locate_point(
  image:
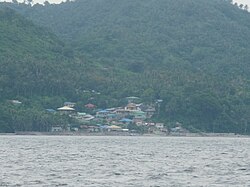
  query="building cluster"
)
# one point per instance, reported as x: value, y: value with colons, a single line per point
x: 128, y: 119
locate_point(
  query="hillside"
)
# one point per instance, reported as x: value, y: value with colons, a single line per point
x: 40, y: 71
x: 193, y: 54
x: 150, y: 32
x: 31, y: 63
x: 31, y: 58
x: 35, y: 69
x: 35, y: 62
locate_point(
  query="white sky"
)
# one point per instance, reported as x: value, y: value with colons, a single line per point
x: 38, y: 1
x: 51, y: 1
x: 244, y: 2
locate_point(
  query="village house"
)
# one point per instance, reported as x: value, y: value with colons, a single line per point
x: 94, y: 129
x: 126, y: 121
x: 66, y: 110
x: 102, y: 114
x: 122, y: 112
x: 56, y: 129
x: 150, y: 112
x: 178, y: 130
x: 157, y: 128
x: 114, y: 128
x: 69, y: 104
x: 132, y: 106
x: 83, y: 117
x: 159, y: 125
x: 139, y: 123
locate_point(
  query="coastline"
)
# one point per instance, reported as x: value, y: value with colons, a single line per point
x: 32, y: 133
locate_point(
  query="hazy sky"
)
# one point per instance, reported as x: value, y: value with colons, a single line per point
x: 38, y: 1
x: 51, y: 1
x: 58, y: 1
x: 244, y: 2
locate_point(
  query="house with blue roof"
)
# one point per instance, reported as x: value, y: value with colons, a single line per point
x: 102, y: 114
x: 126, y: 121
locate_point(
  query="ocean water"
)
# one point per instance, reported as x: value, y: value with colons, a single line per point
x: 124, y: 161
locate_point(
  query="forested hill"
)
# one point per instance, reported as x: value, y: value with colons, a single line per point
x: 39, y: 70
x: 31, y: 61
x: 193, y: 54
x: 35, y: 62
x: 150, y: 33
x: 31, y: 58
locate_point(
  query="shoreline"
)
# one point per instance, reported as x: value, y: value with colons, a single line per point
x: 223, y: 135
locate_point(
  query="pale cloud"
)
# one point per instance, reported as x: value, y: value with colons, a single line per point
x: 51, y: 1
x: 244, y: 2
x: 38, y: 1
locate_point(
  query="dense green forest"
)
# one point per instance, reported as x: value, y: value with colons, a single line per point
x: 32, y: 65
x: 194, y: 55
